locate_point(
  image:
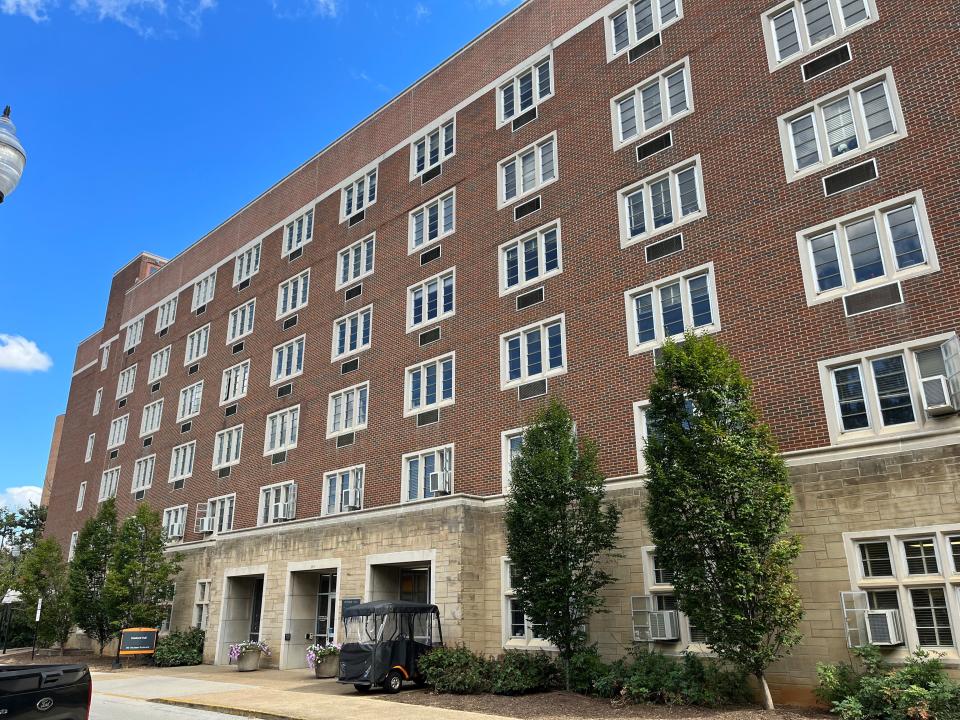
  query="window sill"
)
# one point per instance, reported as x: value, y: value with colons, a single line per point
x: 652, y: 345
x: 815, y: 298
x: 430, y: 323
x: 349, y: 354
x: 628, y: 241
x: 512, y: 384
x: 503, y: 204
x: 411, y: 412
x: 924, y: 427
x: 504, y: 122
x: 619, y: 145
x: 834, y: 163
x: 347, y: 431
x: 814, y: 49
x: 614, y: 54
x: 275, y: 451
x: 342, y: 286
x: 414, y: 249
x: 529, y: 645
x: 528, y: 284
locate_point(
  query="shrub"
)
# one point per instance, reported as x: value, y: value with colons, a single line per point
x: 518, y: 672
x: 180, y: 648
x: 587, y: 670
x: 456, y: 670
x: 654, y: 678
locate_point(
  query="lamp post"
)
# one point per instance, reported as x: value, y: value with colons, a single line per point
x: 12, y: 156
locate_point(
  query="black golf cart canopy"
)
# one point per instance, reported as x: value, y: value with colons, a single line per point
x: 386, y: 607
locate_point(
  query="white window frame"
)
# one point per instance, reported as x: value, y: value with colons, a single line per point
x: 506, y: 462
x: 74, y: 536
x: 439, y: 452
x: 159, y: 365
x: 243, y: 317
x: 201, y: 604
x: 529, y: 641
x: 347, y: 252
x: 126, y: 381
x: 97, y: 401
x: 634, y: 39
x: 807, y: 48
x: 197, y: 345
x: 182, y: 463
x: 352, y: 183
x: 109, y: 481
x: 105, y: 357
x: 635, y: 347
x: 437, y: 200
x: 88, y: 452
x: 276, y: 378
x: 247, y: 263
x: 672, y: 172
x: 532, y: 65
x: 230, y: 503
x: 354, y: 416
x: 195, y: 393
x: 289, y: 444
x: 118, y: 431
x: 166, y: 314
x: 653, y: 589
x: 204, y: 290
x: 440, y: 127
x: 298, y: 232
x: 361, y: 346
x: 667, y: 119
x: 232, y: 455
x: 143, y: 471
x: 640, y: 430
x: 304, y: 278
x: 133, y: 335
x: 539, y: 182
x: 151, y: 410
x: 81, y: 495
x: 505, y: 382
x: 865, y: 145
x: 173, y: 516
x: 878, y: 213
x: 354, y: 483
x: 441, y: 314
x: 288, y: 490
x: 228, y: 381
x: 543, y: 273
x: 408, y: 409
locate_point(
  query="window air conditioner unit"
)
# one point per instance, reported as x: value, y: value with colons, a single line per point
x: 440, y: 483
x: 175, y: 531
x: 936, y: 396
x: 884, y: 627
x: 206, y: 524
x: 664, y: 625
x: 351, y: 499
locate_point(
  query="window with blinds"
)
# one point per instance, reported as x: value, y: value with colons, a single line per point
x: 126, y: 381
x: 662, y: 202
x: 634, y: 22
x: 143, y: 473
x: 797, y: 28
x: 528, y: 170
x: 526, y: 90
x: 118, y: 432
x: 432, y: 221
x: 652, y: 104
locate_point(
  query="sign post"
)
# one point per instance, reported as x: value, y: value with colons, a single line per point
x: 36, y: 628
x: 136, y: 641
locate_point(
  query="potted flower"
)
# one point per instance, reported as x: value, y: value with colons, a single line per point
x: 324, y: 659
x: 247, y: 654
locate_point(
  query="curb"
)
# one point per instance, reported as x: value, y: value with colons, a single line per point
x: 224, y: 709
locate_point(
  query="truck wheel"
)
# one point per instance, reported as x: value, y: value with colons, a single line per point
x: 394, y: 682
x: 362, y: 689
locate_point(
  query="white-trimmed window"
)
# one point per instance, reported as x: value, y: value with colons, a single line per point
x: 435, y: 146
x: 432, y: 221
x: 293, y: 294
x: 118, y: 432
x: 518, y: 632
x: 97, y: 401
x: 429, y: 385
x: 181, y: 461
x: 892, y: 390
x: 105, y: 357
x: 431, y: 300
x: 661, y: 202
x: 126, y: 381
x: 636, y: 21
x: 797, y: 28
x: 167, y: 314
x: 288, y: 360
x: 226, y: 447
x: 81, y: 495
x: 281, y: 431
x: 198, y: 342
x: 240, y: 321
x: 351, y: 333
x: 108, y: 484
x: 528, y: 171
x: 671, y: 307
x: 277, y: 503
x: 525, y: 90
x: 343, y: 490
x: 150, y: 420
x: 356, y: 261
x: 159, y: 365
x: 143, y: 473
x: 190, y: 399
x: 175, y: 522
x: 533, y: 352
x: 203, y: 290
x: 641, y: 431
x: 510, y: 444
x: 347, y: 410
x: 297, y: 233
x: 233, y: 385
x: 655, y: 615
x: 427, y: 473
x: 201, y: 604
x: 74, y: 536
x: 133, y: 335
x: 358, y: 194
x: 654, y: 103
x: 888, y: 241
x: 531, y: 258
x: 849, y: 122
x: 220, y: 509
x: 247, y: 264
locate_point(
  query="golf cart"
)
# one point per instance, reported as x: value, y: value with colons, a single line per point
x: 382, y: 642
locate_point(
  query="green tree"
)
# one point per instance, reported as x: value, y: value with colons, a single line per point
x: 719, y: 505
x: 88, y: 575
x: 139, y: 581
x: 42, y: 574
x: 559, y: 530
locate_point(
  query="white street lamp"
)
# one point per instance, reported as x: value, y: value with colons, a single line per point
x: 12, y: 156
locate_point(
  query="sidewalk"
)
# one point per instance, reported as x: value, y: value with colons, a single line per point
x: 271, y: 694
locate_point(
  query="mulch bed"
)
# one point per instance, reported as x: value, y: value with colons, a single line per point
x: 558, y: 705
x: 93, y: 661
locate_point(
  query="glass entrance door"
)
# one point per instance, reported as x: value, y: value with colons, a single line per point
x: 415, y: 584
x: 256, y: 609
x: 326, y: 609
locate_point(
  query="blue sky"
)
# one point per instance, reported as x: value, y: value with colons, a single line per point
x: 148, y: 122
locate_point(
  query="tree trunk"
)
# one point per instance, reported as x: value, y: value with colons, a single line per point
x: 765, y: 689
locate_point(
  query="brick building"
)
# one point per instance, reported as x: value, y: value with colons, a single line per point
x: 322, y: 394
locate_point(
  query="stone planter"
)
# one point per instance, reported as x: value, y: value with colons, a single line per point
x: 327, y: 667
x: 249, y: 661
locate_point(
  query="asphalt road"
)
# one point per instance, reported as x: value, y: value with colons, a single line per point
x: 111, y: 707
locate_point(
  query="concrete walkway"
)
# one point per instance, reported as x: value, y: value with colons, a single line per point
x: 271, y: 694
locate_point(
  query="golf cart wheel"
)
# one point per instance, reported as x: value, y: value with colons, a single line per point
x: 394, y: 682
x: 363, y: 689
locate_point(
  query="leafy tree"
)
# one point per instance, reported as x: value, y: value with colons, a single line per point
x: 139, y: 581
x: 42, y: 574
x: 719, y: 505
x: 559, y: 530
x: 88, y: 575
x: 21, y: 529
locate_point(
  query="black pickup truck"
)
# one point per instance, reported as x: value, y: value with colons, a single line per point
x: 45, y: 692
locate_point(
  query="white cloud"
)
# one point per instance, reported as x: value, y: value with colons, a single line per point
x: 292, y: 9
x: 18, y: 497
x: 146, y: 17
x: 22, y: 355
x: 36, y: 10
x: 421, y: 11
